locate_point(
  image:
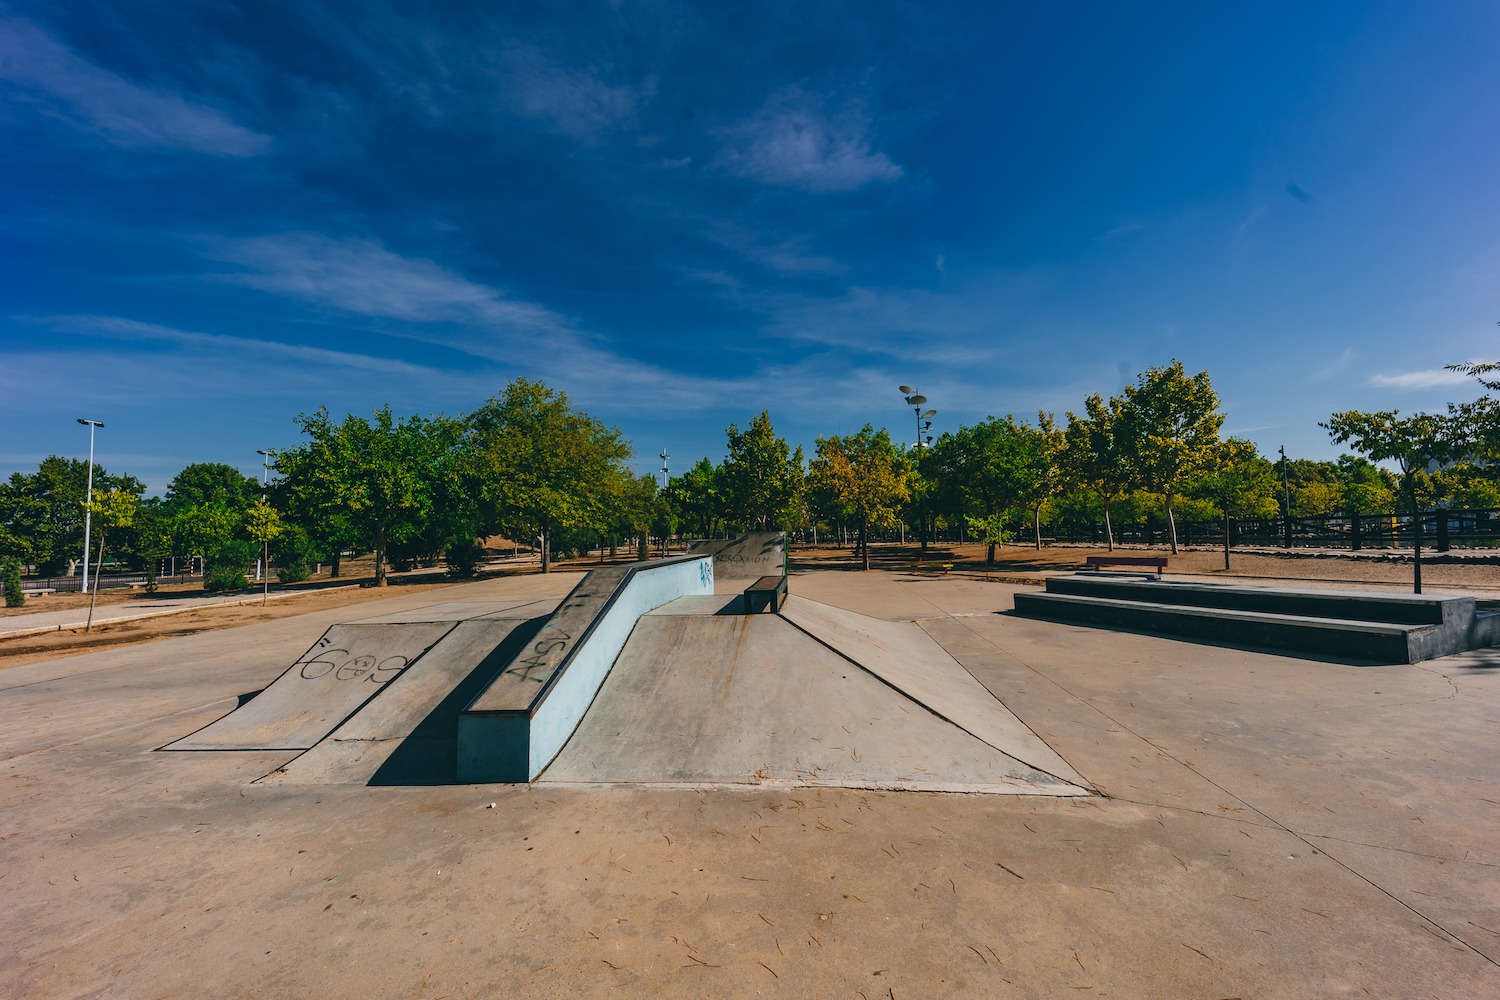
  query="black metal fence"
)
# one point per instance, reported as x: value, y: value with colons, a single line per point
x: 110, y: 581
x: 1441, y: 530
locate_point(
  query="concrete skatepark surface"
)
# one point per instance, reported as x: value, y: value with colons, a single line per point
x: 1268, y: 825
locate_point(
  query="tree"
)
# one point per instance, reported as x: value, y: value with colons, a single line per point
x: 761, y: 478
x: 987, y: 470
x: 263, y: 523
x: 1169, y: 428
x: 211, y: 482
x: 42, y: 515
x: 381, y: 477
x: 696, y: 496
x: 111, y: 509
x: 867, y: 475
x: 532, y: 457
x: 1042, y: 476
x: 1238, y: 482
x: 1094, y: 456
x: 1412, y: 443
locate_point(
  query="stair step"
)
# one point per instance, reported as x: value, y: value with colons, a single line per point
x: 1389, y: 642
x: 1404, y: 609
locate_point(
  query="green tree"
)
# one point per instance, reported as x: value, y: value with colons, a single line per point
x: 111, y: 509
x: 1238, y: 482
x: 1043, y: 473
x: 1169, y: 429
x: 380, y: 478
x: 1411, y: 442
x: 209, y: 483
x: 1095, y: 458
x: 263, y: 523
x: 534, y: 458
x: 868, y: 476
x: 986, y: 471
x: 697, y: 497
x: 42, y: 513
x: 761, y: 480
x: 10, y: 570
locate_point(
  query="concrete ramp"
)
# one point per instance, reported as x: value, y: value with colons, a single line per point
x: 520, y: 721
x: 910, y: 660
x: 408, y: 736
x: 701, y: 698
x: 346, y: 668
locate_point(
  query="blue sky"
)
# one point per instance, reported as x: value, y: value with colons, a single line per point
x: 217, y: 215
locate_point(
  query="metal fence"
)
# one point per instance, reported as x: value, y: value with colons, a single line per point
x: 1441, y: 530
x: 73, y: 584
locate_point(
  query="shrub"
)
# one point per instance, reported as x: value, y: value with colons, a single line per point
x: 10, y: 569
x: 225, y: 569
x: 224, y: 579
x: 295, y: 573
x: 463, y: 557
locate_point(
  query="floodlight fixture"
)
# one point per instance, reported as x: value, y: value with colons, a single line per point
x: 906, y: 390
x: 929, y: 414
x: 917, y: 400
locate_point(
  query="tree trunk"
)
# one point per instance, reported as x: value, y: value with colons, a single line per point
x: 1036, y: 526
x: 864, y: 539
x: 380, y: 556
x: 1109, y: 531
x: 642, y: 548
x: 1226, y: 541
x: 338, y: 560
x: 991, y: 557
x: 1171, y: 523
x: 544, y: 549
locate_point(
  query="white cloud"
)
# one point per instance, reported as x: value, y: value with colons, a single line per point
x: 1431, y: 378
x: 96, y: 100
x: 791, y: 142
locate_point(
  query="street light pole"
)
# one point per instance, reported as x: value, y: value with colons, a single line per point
x: 917, y: 401
x: 88, y: 503
x: 664, y: 457
x: 265, y: 547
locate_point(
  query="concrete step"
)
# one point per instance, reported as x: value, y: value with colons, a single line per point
x: 1343, y: 605
x: 1386, y: 642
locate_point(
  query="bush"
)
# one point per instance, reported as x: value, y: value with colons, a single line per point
x: 295, y: 573
x: 224, y: 579
x: 10, y: 569
x: 463, y: 557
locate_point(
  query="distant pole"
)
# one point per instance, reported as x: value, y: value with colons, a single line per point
x: 88, y: 502
x: 916, y: 401
x: 265, y: 555
x: 666, y: 550
x: 1286, y: 491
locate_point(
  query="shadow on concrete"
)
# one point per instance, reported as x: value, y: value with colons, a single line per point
x: 429, y: 756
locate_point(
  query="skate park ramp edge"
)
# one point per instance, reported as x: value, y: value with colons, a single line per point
x: 521, y: 720
x: 345, y: 669
x: 703, y: 699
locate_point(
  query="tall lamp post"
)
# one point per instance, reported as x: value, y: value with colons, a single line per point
x: 88, y: 502
x: 265, y: 554
x: 664, y: 456
x: 924, y: 424
x: 1286, y: 492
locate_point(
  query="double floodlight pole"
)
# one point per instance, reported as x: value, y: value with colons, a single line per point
x: 88, y: 503
x: 916, y: 401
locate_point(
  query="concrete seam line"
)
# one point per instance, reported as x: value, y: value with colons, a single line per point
x: 20, y: 633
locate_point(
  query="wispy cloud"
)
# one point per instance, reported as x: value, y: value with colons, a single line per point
x: 577, y: 103
x: 1338, y: 366
x: 792, y: 142
x: 1428, y: 379
x: 57, y: 81
x: 361, y: 276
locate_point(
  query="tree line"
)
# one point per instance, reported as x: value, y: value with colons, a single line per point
x: 530, y: 464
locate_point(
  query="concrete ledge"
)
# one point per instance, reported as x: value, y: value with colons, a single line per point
x: 1384, y: 642
x: 514, y: 728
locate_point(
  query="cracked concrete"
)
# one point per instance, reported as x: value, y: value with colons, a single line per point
x: 1269, y: 826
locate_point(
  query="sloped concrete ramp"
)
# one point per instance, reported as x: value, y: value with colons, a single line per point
x: 408, y: 736
x: 708, y: 699
x: 350, y: 665
x: 910, y: 660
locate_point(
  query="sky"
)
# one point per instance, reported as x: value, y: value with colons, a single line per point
x: 217, y: 215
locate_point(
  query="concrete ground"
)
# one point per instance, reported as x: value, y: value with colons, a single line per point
x: 1270, y: 826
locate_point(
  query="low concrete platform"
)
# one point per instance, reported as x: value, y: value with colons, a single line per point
x: 1267, y: 825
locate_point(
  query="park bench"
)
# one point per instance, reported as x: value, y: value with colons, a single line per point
x: 766, y: 595
x: 918, y: 567
x: 1160, y: 562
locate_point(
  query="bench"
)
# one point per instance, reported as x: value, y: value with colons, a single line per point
x: 765, y: 596
x: 1160, y: 562
x: 917, y: 567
